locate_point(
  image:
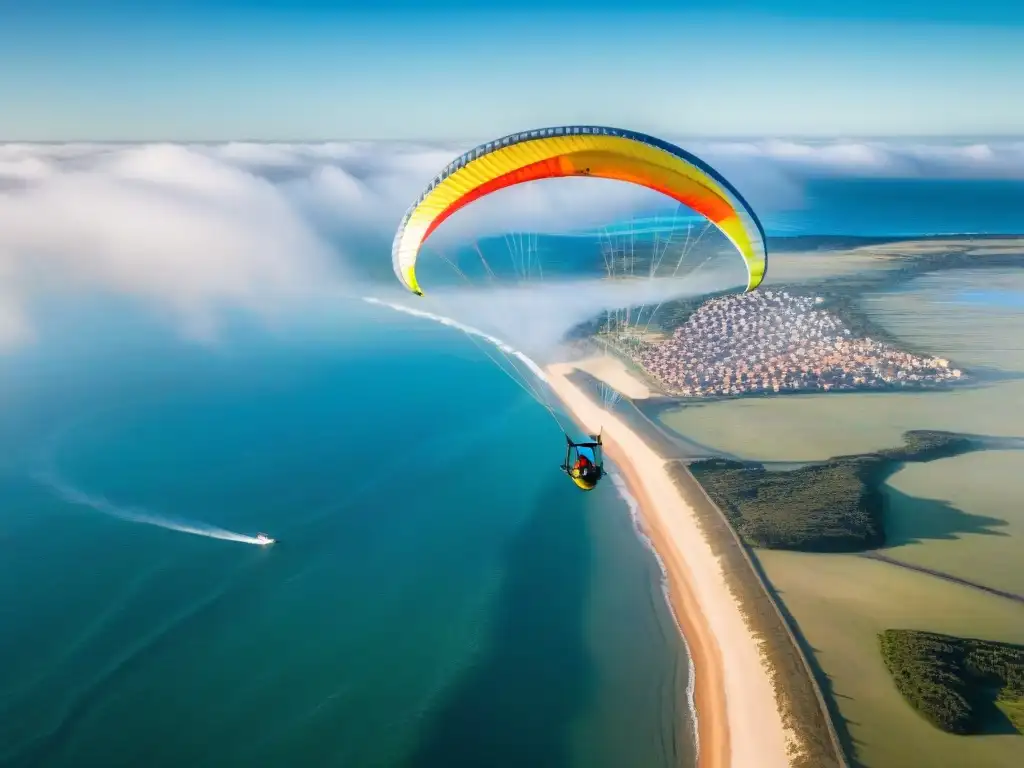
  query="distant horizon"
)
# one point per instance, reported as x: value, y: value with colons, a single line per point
x: 469, y: 139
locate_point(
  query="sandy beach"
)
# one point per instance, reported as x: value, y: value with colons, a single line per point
x: 739, y: 723
x: 612, y: 371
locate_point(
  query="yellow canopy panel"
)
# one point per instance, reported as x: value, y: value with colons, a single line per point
x: 609, y: 153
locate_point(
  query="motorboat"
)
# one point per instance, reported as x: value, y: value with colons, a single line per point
x: 263, y: 540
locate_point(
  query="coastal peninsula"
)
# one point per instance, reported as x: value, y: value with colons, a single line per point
x: 831, y: 506
x: 823, y: 556
x: 804, y: 332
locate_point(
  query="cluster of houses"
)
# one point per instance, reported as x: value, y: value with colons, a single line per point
x: 771, y: 341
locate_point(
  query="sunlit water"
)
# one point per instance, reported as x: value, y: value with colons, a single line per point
x: 438, y: 596
x: 436, y: 592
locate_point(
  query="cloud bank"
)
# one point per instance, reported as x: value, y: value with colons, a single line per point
x: 191, y: 230
x: 1003, y: 159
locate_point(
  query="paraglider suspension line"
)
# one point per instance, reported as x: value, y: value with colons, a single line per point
x: 523, y: 380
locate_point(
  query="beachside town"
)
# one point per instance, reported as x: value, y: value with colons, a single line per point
x: 771, y: 341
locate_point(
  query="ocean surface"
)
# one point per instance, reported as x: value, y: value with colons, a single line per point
x: 901, y: 208
x: 869, y: 207
x: 439, y: 594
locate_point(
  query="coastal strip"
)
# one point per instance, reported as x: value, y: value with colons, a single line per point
x: 739, y: 721
x: 801, y: 701
x: 706, y: 664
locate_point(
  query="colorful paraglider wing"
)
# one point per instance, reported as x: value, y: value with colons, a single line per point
x: 609, y: 153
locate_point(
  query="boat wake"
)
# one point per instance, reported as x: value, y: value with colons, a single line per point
x: 71, y: 495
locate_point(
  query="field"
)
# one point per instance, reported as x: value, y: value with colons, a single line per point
x: 960, y: 516
x: 963, y: 516
x: 841, y: 603
x: 815, y: 427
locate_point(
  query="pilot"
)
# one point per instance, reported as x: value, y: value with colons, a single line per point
x: 584, y: 468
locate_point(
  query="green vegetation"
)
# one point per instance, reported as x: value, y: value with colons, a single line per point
x: 819, y: 508
x: 833, y: 506
x: 929, y: 445
x: 954, y: 682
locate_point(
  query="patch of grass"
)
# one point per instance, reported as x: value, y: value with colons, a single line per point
x: 832, y: 506
x: 954, y: 682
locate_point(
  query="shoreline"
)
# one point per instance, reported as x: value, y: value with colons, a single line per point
x: 733, y: 693
x: 713, y: 734
x: 733, y: 681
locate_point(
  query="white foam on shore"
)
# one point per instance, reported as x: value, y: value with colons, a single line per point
x: 535, y: 369
x: 691, y: 680
x: 620, y: 486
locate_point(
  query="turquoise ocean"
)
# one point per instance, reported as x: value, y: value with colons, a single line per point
x: 439, y: 594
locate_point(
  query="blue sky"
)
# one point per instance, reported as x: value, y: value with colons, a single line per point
x: 276, y: 70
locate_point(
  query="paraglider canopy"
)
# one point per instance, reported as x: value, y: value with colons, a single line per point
x: 588, y: 151
x: 581, y: 150
x: 583, y: 462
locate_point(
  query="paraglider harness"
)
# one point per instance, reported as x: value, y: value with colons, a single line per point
x: 578, y: 466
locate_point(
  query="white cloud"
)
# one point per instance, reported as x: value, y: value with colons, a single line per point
x: 1002, y: 159
x: 190, y: 230
x: 534, y: 318
x: 15, y: 327
x: 182, y: 232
